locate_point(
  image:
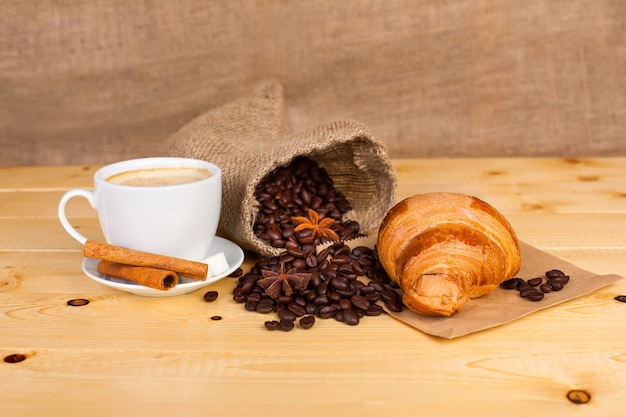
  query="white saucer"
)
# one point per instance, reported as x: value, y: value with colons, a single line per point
x: 234, y: 257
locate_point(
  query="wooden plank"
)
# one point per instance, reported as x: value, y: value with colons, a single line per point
x: 545, y: 196
x: 190, y: 356
x: 540, y: 379
x: 508, y: 170
x: 123, y: 354
x: 544, y: 230
x: 60, y: 271
x: 415, y: 171
x: 35, y: 290
x: 557, y: 197
x: 45, y: 234
x: 584, y: 187
x: 38, y: 204
x: 46, y: 178
x: 122, y: 322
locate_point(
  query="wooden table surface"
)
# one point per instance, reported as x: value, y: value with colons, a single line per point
x: 127, y: 355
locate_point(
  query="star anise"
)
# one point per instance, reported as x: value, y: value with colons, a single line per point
x: 319, y: 228
x: 275, y: 283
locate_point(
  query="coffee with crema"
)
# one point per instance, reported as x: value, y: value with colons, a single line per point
x: 156, y: 177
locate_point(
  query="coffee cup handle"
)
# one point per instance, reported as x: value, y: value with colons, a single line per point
x: 76, y: 192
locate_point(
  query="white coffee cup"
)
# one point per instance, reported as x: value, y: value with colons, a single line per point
x: 178, y: 220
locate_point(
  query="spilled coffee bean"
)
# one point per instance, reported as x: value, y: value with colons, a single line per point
x: 535, y: 296
x: 286, y: 325
x: 510, y: 284
x: 545, y: 288
x: 272, y: 325
x: 210, y: 296
x: 307, y: 322
x: 534, y: 289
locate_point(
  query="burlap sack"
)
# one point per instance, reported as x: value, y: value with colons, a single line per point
x: 248, y: 138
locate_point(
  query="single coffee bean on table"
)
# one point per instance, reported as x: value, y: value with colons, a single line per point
x: 307, y: 322
x: 210, y: 296
x: 272, y: 325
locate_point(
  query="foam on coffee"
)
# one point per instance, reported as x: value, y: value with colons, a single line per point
x: 156, y: 177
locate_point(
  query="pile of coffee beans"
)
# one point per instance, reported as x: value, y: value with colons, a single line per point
x: 292, y: 190
x: 534, y: 289
x: 333, y: 290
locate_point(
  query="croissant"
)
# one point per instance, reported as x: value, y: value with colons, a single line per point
x: 444, y: 248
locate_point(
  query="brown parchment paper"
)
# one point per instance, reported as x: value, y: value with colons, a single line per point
x: 504, y: 306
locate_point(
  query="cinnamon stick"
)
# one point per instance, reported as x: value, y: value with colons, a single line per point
x: 150, y: 277
x: 118, y: 254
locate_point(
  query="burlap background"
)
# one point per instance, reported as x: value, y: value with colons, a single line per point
x: 248, y: 138
x: 93, y: 81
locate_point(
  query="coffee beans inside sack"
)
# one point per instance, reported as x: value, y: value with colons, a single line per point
x: 299, y: 209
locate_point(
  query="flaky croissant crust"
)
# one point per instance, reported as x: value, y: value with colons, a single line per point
x: 445, y: 248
